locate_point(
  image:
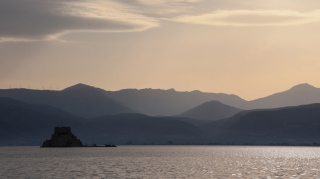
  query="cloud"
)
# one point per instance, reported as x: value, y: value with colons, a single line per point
x: 162, y: 7
x: 163, y: 2
x: 252, y: 18
x: 31, y: 20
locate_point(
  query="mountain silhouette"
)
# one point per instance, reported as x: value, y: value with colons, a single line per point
x: 78, y: 100
x: 87, y: 101
x: 297, y: 95
x: 26, y: 124
x: 82, y: 87
x: 22, y: 123
x: 140, y: 128
x: 211, y: 110
x: 297, y: 124
x: 168, y: 102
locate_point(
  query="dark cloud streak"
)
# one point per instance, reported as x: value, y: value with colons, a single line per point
x: 40, y: 19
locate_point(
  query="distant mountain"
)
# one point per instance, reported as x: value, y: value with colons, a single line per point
x: 297, y: 95
x: 211, y: 110
x: 87, y: 101
x: 299, y: 124
x: 8, y: 102
x: 139, y: 128
x: 25, y: 124
x: 155, y: 102
x: 168, y: 102
x: 41, y: 110
x: 80, y: 100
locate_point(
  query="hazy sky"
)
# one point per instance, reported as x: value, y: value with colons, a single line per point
x: 251, y: 48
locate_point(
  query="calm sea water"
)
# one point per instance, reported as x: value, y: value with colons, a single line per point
x: 160, y: 162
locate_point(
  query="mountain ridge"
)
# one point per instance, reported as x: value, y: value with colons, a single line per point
x: 84, y: 103
x: 27, y: 124
x: 89, y: 101
x: 297, y: 95
x: 294, y: 124
x: 211, y: 111
x: 167, y: 102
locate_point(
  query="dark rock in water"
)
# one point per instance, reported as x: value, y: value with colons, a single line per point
x: 110, y: 145
x: 62, y: 137
x: 95, y: 145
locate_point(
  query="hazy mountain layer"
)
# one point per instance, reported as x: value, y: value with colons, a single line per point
x: 297, y: 95
x: 22, y: 123
x: 81, y: 102
x: 168, y: 102
x: 87, y: 101
x: 299, y: 124
x: 211, y: 110
x: 26, y: 124
x: 139, y: 128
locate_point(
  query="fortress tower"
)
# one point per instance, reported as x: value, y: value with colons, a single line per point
x: 62, y: 137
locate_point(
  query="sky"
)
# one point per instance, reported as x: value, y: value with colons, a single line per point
x: 251, y: 48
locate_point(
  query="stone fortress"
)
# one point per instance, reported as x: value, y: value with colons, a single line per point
x: 62, y: 137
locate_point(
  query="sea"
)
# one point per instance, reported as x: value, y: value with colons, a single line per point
x: 222, y: 162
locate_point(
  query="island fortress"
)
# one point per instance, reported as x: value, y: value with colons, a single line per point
x: 62, y: 137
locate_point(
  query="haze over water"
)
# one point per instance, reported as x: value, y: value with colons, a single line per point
x: 160, y: 162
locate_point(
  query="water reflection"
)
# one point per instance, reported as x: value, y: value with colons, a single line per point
x: 161, y: 162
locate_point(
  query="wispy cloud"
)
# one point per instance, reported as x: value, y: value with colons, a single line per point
x: 162, y: 7
x: 252, y: 18
x: 164, y: 2
x: 34, y: 20
x: 31, y: 20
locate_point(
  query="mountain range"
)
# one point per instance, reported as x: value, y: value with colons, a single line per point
x: 30, y: 124
x: 27, y: 117
x: 171, y: 102
x: 295, y: 125
x: 26, y: 124
x: 83, y: 102
x: 87, y: 101
x: 168, y: 102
